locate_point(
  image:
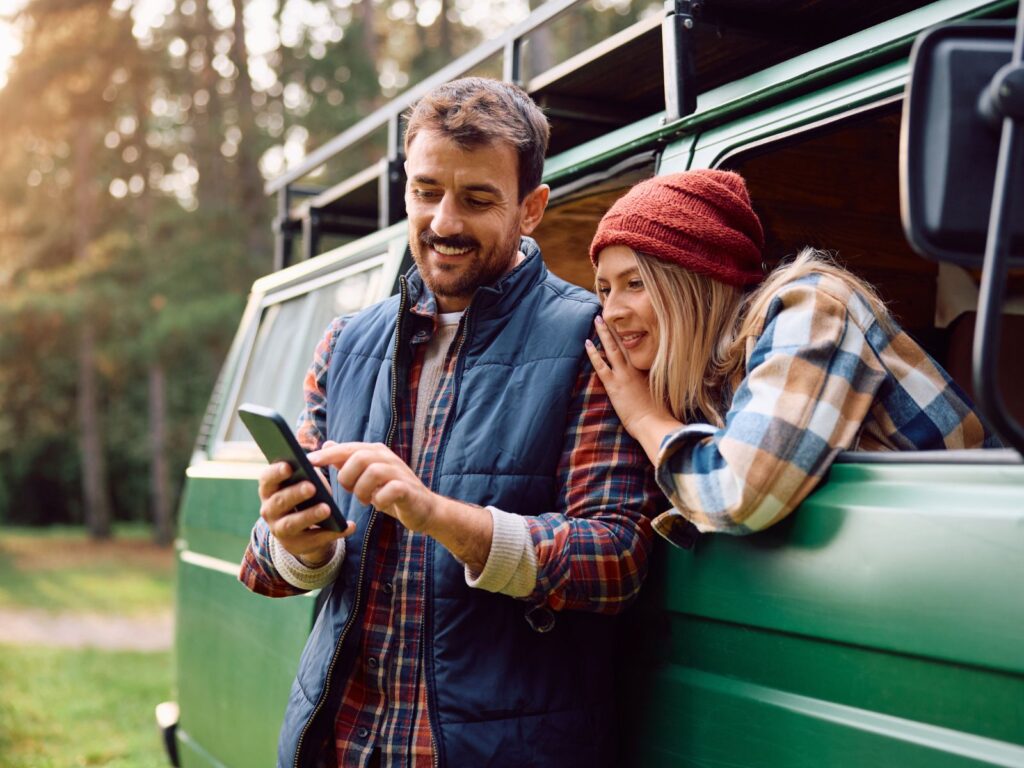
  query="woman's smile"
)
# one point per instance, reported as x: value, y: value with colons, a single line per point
x: 631, y: 339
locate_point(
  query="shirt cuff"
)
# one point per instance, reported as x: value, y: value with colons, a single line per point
x: 671, y: 444
x: 673, y: 441
x: 676, y: 529
x: 511, y: 567
x: 301, y: 576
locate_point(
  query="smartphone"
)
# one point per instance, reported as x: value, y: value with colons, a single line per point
x: 277, y: 441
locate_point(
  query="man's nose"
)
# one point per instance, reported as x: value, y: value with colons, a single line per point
x: 446, y: 220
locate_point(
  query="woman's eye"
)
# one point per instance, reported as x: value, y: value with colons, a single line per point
x: 636, y: 284
x: 603, y: 290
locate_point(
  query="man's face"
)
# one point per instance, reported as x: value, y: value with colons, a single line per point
x: 465, y: 218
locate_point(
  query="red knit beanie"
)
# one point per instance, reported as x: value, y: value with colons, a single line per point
x: 700, y: 220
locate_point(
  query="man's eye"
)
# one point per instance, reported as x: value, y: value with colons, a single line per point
x: 424, y: 194
x: 473, y: 202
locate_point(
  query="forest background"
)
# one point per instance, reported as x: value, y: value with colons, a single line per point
x: 135, y: 140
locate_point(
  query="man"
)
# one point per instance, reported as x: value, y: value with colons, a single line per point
x: 498, y: 510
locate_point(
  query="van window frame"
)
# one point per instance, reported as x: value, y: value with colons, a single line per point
x: 380, y: 254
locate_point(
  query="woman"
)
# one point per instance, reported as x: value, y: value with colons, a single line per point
x: 742, y: 387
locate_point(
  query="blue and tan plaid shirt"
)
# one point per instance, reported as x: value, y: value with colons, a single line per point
x: 592, y: 549
x: 822, y: 376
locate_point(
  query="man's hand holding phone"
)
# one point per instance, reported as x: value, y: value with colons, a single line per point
x: 297, y: 530
x: 302, y: 515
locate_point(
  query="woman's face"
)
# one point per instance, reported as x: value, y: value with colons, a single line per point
x: 627, y: 307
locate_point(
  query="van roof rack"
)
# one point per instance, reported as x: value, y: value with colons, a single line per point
x: 653, y: 66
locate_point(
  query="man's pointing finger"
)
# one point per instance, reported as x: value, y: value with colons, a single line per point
x: 334, y: 454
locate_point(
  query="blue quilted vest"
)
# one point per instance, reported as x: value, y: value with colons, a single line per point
x: 501, y: 693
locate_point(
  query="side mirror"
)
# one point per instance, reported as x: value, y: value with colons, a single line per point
x: 950, y: 143
x: 962, y: 174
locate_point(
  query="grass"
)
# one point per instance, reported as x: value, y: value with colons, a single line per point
x: 62, y: 570
x: 62, y: 708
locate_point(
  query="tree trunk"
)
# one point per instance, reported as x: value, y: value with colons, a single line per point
x: 95, y: 498
x: 445, y: 32
x: 160, y: 502
x: 369, y: 33
x: 208, y: 121
x: 163, y: 529
x: 253, y: 203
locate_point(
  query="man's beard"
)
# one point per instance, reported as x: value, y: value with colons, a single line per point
x: 460, y: 281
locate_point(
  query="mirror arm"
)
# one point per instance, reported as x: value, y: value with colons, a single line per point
x: 997, y: 248
x: 678, y: 35
x: 1004, y: 96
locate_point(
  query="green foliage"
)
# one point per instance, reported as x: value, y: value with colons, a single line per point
x: 133, y: 149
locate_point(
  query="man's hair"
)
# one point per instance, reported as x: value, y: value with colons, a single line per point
x: 477, y: 112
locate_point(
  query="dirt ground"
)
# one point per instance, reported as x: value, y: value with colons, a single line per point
x: 27, y: 626
x: 31, y: 626
x: 41, y: 553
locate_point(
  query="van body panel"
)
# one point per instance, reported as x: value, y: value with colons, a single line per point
x: 863, y: 91
x: 236, y: 651
x: 860, y: 565
x: 717, y: 720
x: 880, y: 624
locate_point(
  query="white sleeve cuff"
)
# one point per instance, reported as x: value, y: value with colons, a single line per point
x: 301, y: 576
x: 511, y: 566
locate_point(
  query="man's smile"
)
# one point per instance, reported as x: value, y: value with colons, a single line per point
x: 447, y: 250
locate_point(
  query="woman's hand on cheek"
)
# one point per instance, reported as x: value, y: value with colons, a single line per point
x: 626, y: 386
x: 647, y: 421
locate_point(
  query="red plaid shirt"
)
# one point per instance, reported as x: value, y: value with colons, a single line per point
x: 591, y: 551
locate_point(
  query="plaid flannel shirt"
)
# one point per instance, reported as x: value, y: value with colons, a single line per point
x: 592, y: 550
x: 822, y: 376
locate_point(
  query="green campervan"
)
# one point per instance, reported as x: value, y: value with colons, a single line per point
x: 882, y: 624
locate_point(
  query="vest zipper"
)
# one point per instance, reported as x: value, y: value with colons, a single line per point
x: 433, y: 486
x: 366, y: 536
x: 455, y: 391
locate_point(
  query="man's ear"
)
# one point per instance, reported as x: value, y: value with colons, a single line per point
x: 533, y: 206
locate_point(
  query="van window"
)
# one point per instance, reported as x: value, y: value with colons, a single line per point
x: 836, y: 187
x: 291, y: 325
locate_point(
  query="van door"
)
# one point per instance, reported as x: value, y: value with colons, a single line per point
x: 880, y: 623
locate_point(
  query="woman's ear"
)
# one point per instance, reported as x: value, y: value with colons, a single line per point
x: 533, y: 206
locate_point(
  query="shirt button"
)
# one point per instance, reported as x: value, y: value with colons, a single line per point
x: 362, y: 733
x: 388, y: 588
x: 372, y: 662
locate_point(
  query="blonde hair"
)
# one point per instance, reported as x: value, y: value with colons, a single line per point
x: 694, y: 371
x: 690, y: 362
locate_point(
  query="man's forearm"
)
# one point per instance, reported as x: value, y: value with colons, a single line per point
x: 463, y: 529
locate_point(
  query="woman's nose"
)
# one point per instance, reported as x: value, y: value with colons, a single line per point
x: 614, y: 308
